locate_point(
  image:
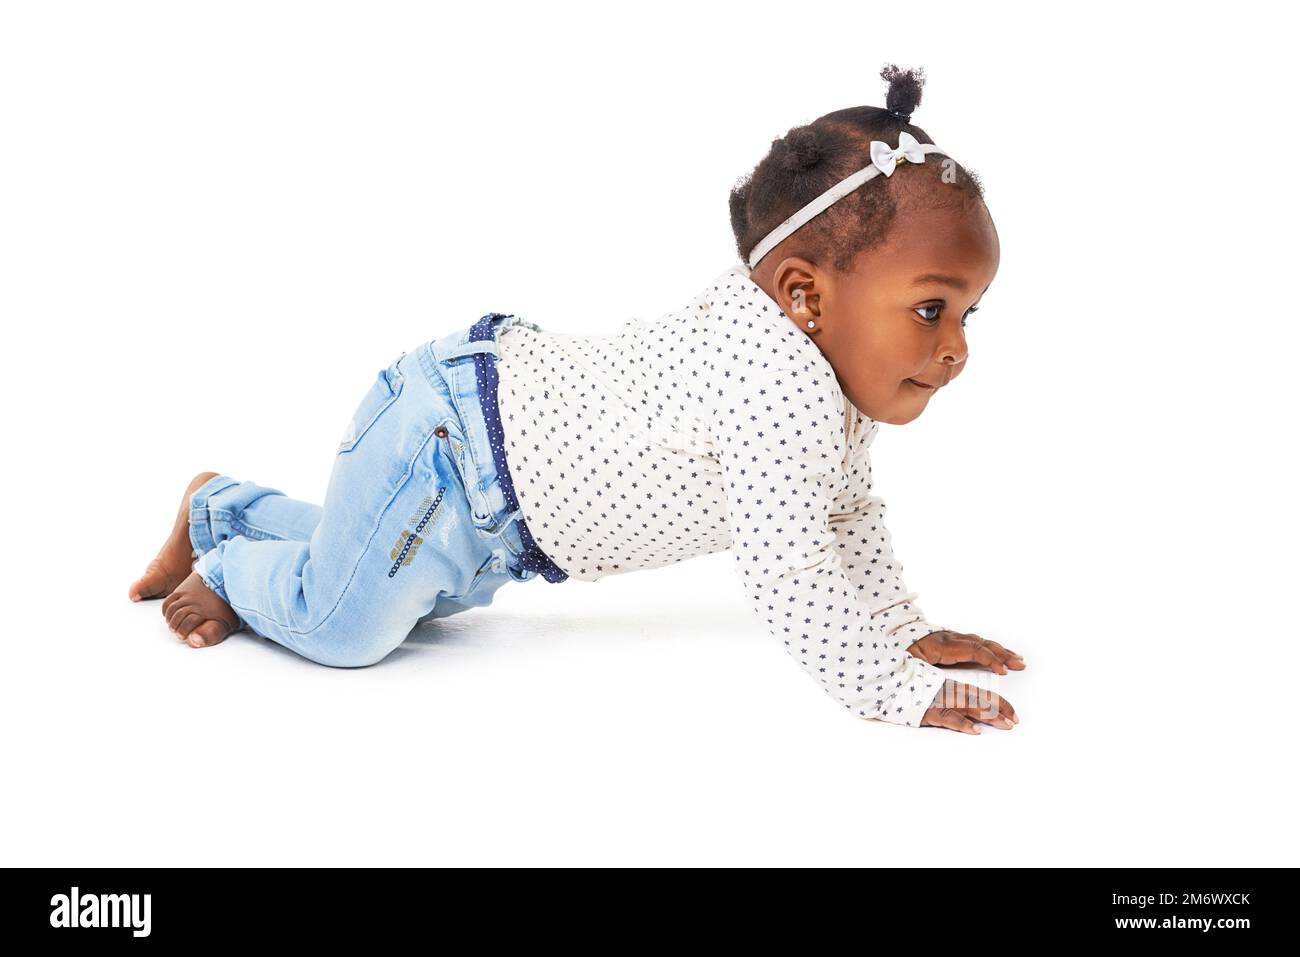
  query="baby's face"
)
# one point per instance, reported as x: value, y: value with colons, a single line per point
x: 892, y: 322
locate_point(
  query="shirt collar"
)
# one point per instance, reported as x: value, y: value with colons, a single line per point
x: 738, y: 275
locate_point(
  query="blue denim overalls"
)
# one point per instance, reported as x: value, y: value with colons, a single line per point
x: 420, y: 520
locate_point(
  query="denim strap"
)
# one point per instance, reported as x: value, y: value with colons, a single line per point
x: 469, y: 348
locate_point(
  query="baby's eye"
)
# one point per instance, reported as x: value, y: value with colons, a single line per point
x: 939, y: 306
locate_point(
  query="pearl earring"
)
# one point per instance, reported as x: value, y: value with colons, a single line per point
x: 810, y: 323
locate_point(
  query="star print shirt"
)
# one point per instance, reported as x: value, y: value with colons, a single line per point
x: 720, y: 425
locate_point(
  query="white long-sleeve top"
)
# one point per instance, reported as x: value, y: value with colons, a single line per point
x: 720, y: 425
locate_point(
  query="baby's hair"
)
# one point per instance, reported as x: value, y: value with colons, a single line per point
x: 811, y: 159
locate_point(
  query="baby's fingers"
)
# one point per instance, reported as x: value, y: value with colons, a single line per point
x: 950, y: 718
x: 1006, y: 711
x: 954, y: 648
x: 1005, y: 656
x: 974, y: 704
x: 991, y: 708
x: 992, y: 655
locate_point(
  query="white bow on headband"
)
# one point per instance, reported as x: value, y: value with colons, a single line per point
x: 884, y: 159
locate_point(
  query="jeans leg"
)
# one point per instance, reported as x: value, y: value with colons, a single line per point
x: 223, y: 508
x: 394, y: 535
x: 480, y: 595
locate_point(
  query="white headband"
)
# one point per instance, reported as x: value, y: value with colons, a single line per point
x: 883, y: 160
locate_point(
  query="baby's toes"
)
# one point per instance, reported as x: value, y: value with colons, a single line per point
x: 187, y: 622
x: 179, y: 597
x: 151, y: 584
x: 209, y: 633
x: 179, y: 610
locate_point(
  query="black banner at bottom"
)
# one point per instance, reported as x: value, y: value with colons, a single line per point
x: 682, y: 907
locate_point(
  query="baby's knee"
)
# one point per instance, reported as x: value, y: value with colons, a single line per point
x: 350, y: 647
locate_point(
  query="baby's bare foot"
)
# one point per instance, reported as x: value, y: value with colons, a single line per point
x: 197, y: 615
x: 176, y: 558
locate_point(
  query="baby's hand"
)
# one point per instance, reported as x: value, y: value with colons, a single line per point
x: 954, y: 647
x: 958, y: 706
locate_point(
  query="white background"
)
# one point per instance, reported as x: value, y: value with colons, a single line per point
x: 218, y: 221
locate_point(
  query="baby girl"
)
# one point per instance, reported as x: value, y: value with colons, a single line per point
x: 503, y: 451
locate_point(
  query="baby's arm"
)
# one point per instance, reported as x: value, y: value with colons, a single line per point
x: 782, y: 444
x: 866, y: 549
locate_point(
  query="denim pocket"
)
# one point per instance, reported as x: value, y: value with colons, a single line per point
x: 460, y: 465
x: 383, y: 392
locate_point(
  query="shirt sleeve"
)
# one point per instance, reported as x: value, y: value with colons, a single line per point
x: 866, y: 548
x: 782, y: 445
